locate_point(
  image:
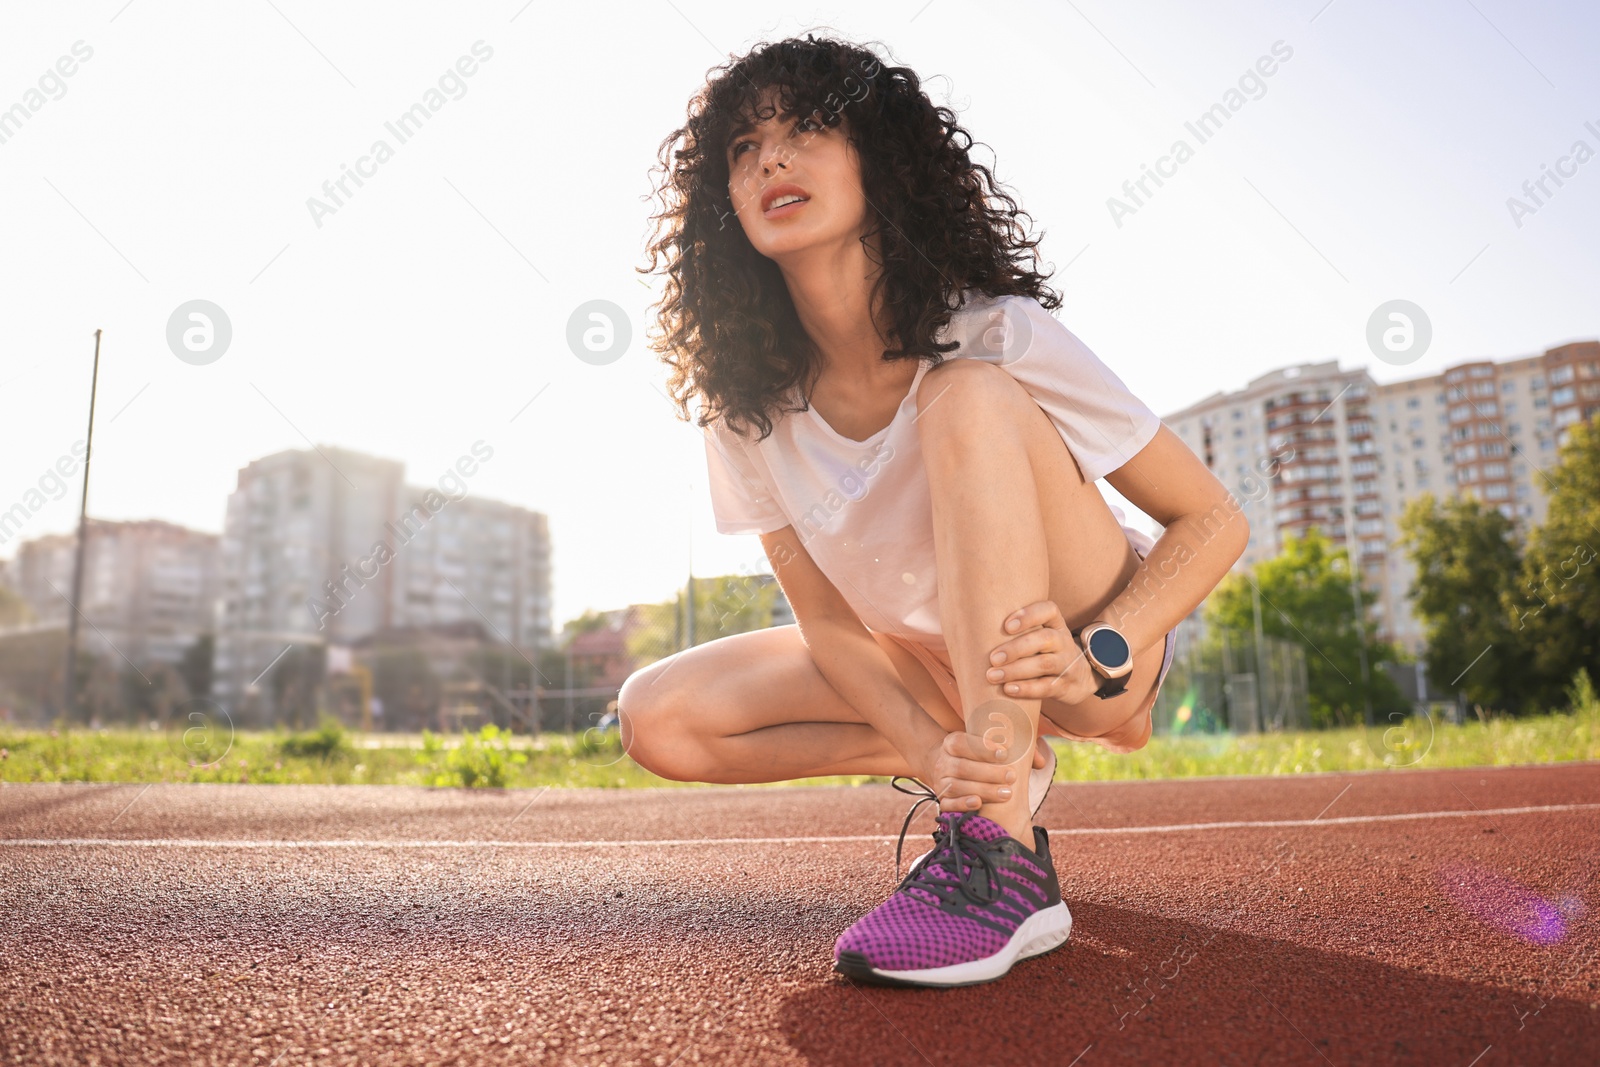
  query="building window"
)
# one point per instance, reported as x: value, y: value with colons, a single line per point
x: 1561, y: 375
x: 1565, y: 395
x: 1482, y: 370
x: 1413, y: 402
x: 1498, y: 491
x: 1508, y: 386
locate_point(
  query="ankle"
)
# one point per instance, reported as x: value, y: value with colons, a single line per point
x: 1019, y: 825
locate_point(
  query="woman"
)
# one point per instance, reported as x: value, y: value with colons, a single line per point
x: 887, y: 402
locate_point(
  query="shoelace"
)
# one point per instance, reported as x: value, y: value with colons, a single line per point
x: 948, y: 838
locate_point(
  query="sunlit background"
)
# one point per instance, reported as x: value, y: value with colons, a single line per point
x: 431, y: 308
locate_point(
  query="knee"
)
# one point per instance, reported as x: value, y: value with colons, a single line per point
x: 652, y: 729
x: 961, y: 391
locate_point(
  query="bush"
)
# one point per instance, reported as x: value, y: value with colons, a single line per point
x: 482, y: 759
x: 326, y: 742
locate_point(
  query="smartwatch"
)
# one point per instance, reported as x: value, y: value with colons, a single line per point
x: 1109, y: 654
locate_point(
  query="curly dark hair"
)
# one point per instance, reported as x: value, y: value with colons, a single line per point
x: 941, y: 222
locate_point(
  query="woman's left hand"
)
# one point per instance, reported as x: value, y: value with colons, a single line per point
x: 1043, y: 660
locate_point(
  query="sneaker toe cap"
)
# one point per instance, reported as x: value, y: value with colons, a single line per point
x: 906, y: 934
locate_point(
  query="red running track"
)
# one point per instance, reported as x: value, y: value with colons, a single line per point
x: 1427, y: 917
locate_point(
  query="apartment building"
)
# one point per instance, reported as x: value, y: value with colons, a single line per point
x: 1313, y: 444
x: 477, y: 560
x: 149, y: 588
x: 330, y: 546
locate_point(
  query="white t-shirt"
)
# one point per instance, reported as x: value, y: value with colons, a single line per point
x: 862, y: 508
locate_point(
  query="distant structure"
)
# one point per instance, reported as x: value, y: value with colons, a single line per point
x: 328, y: 547
x: 601, y: 657
x: 149, y: 588
x: 1353, y: 452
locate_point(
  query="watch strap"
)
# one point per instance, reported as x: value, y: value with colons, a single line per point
x: 1112, y: 686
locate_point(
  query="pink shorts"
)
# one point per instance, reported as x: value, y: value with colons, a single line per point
x: 1128, y: 737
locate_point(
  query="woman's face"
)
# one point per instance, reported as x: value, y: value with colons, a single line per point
x: 795, y: 184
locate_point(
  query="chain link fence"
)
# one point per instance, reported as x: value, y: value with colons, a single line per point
x: 1220, y: 681
x: 1229, y: 681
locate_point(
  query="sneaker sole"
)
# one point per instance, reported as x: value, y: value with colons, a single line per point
x: 1041, y: 932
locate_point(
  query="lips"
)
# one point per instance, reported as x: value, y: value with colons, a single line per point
x: 782, y: 191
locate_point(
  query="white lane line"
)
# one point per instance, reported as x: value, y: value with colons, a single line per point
x: 1174, y: 828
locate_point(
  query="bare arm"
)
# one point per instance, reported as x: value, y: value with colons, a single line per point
x: 1204, y: 533
x: 859, y: 670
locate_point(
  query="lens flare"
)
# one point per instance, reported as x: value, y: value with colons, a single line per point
x: 1497, y: 901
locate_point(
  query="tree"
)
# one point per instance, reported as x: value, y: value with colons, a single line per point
x: 1306, y: 598
x: 296, y: 681
x: 100, y: 693
x: 159, y: 694
x: 195, y: 666
x: 404, y: 680
x: 724, y: 605
x: 1466, y: 556
x: 1556, y: 602
x: 14, y: 611
x: 588, y: 622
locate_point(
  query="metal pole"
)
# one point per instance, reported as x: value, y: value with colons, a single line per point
x: 1361, y: 638
x: 83, y: 538
x: 1261, y: 667
x: 689, y: 597
x: 688, y: 614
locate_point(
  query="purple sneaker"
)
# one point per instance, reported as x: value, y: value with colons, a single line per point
x: 964, y: 913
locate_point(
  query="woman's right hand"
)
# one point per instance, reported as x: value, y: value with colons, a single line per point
x: 967, y: 774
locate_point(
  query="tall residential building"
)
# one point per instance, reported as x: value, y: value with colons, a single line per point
x: 149, y: 588
x: 479, y: 561
x: 327, y: 547
x: 1313, y: 444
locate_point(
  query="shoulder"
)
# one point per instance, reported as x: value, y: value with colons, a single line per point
x: 1001, y: 329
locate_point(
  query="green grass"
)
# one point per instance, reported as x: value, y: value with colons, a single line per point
x: 331, y: 756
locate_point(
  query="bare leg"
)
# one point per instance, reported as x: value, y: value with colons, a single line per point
x: 1014, y: 523
x: 754, y: 707
x: 990, y: 544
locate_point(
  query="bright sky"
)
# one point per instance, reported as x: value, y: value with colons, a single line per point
x: 176, y: 162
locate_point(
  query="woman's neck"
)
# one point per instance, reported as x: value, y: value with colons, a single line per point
x: 832, y: 293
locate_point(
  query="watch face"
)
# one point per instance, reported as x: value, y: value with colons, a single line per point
x: 1109, y: 647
